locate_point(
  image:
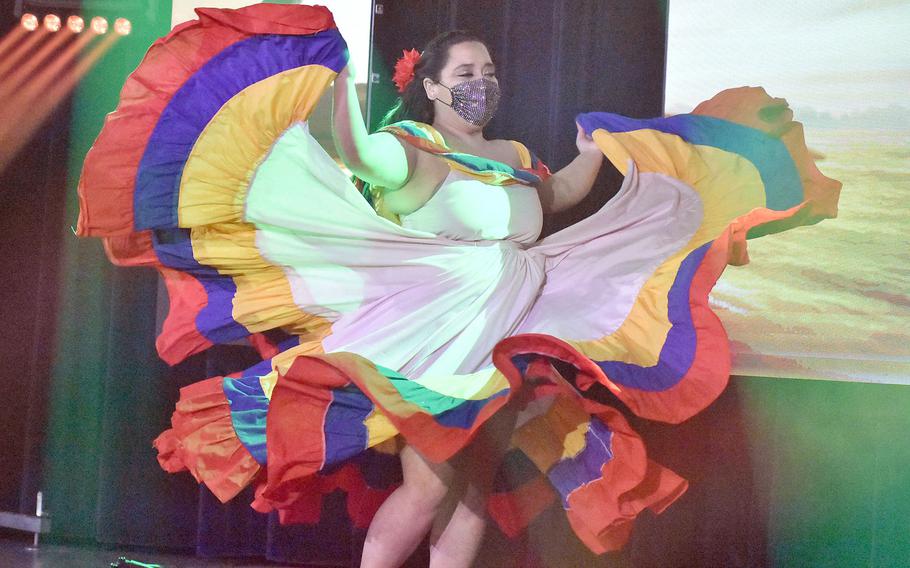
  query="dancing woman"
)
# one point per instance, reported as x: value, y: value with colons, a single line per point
x: 435, y: 321
x: 452, y: 88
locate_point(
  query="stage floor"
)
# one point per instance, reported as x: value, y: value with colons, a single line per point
x: 19, y: 554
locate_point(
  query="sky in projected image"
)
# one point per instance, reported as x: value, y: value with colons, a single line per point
x: 830, y: 301
x: 833, y: 56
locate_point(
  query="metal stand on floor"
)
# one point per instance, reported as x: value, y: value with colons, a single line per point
x: 37, y: 524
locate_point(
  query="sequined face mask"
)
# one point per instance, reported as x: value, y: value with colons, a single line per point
x: 475, y: 101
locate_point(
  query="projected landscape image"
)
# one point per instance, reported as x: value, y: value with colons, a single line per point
x: 830, y: 301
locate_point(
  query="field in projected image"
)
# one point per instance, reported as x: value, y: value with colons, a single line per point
x: 832, y: 300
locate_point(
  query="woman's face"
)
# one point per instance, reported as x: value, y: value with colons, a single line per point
x: 468, y: 60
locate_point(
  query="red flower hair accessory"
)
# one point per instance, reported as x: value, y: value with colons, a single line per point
x: 404, y: 69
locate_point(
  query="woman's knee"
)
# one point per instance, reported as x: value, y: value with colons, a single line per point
x: 424, y: 480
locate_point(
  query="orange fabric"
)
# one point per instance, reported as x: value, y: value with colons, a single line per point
x: 753, y: 107
x: 294, y: 429
x: 514, y: 511
x: 602, y: 512
x: 202, y: 440
x: 134, y: 249
x: 270, y: 19
x: 107, y: 184
x: 179, y: 337
x: 435, y: 441
x: 303, y: 502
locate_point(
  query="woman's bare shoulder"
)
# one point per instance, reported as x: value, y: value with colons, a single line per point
x: 508, y: 151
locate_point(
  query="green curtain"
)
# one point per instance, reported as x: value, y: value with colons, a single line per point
x: 106, y: 378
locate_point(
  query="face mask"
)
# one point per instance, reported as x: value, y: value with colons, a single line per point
x: 475, y: 101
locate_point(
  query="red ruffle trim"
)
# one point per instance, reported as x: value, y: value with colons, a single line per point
x: 302, y: 502
x: 202, y: 440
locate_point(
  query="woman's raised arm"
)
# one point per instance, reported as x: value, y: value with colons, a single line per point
x: 571, y: 184
x: 379, y: 159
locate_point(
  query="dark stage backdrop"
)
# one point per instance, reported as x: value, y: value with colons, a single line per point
x: 757, y: 498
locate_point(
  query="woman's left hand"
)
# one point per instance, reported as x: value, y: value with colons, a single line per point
x: 585, y: 143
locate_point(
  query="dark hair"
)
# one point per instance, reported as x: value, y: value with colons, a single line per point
x: 413, y: 103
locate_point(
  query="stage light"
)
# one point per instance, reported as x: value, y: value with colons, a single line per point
x: 52, y: 23
x: 75, y: 24
x: 99, y: 25
x: 29, y: 22
x: 123, y: 26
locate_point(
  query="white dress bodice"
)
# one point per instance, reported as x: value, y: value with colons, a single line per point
x: 467, y: 209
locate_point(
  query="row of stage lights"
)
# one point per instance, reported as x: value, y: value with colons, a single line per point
x: 41, y: 62
x: 75, y: 24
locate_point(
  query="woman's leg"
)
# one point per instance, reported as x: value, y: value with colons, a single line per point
x: 456, y: 537
x: 405, y: 517
x: 459, y: 527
